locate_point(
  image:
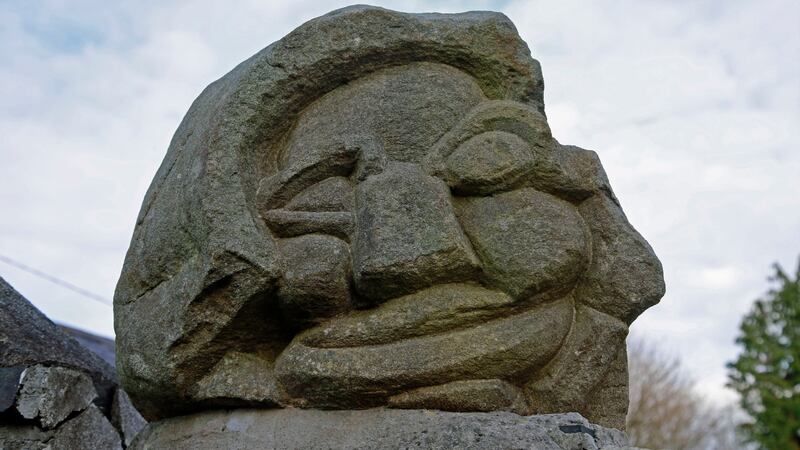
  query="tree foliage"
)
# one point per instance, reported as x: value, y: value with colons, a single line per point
x: 767, y: 372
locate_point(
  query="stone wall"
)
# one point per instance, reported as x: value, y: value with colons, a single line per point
x: 55, y: 393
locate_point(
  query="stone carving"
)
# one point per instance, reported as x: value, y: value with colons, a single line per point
x: 372, y: 211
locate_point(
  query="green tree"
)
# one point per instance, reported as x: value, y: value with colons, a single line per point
x: 767, y: 372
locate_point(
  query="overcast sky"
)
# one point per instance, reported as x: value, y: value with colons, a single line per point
x: 694, y: 108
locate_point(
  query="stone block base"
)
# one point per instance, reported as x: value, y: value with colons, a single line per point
x: 376, y: 429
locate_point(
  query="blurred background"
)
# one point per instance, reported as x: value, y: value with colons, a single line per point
x: 693, y: 107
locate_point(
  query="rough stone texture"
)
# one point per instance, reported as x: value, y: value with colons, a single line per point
x: 470, y: 395
x: 28, y: 338
x: 408, y: 237
x: 50, y: 401
x: 299, y: 223
x: 239, y: 377
x: 51, y: 394
x: 316, y: 283
x: 373, y: 211
x: 334, y: 194
x: 90, y: 429
x: 377, y: 428
x: 125, y: 418
x: 488, y: 161
x: 531, y: 243
x: 24, y: 437
x: 362, y: 376
x: 10, y: 378
x: 575, y: 378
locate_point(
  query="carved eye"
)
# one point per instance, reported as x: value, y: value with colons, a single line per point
x: 332, y: 194
x: 488, y: 162
x: 312, y: 194
x: 492, y: 149
x: 325, y: 207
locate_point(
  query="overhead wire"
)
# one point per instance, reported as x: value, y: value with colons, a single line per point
x: 55, y: 280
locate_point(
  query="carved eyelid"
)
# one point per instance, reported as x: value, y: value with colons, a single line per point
x: 325, y: 207
x: 275, y: 190
x: 314, y: 194
x: 496, y: 144
x: 359, y: 156
x: 331, y: 194
x: 488, y: 163
x: 493, y: 115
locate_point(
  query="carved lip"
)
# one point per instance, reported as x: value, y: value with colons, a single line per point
x: 445, y: 333
x: 433, y: 310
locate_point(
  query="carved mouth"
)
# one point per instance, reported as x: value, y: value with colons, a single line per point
x: 438, y: 309
x: 444, y: 333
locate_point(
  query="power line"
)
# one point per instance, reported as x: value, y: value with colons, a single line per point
x: 57, y: 281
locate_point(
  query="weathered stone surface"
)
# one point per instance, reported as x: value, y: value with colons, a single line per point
x: 334, y: 194
x: 608, y: 401
x: 90, y: 429
x: 125, y: 418
x: 525, y: 137
x: 408, y: 236
x: 298, y: 223
x: 373, y: 211
x: 239, y: 377
x: 24, y: 437
x: 432, y: 311
x: 530, y: 242
x: 568, y: 382
x: 620, y: 280
x: 362, y: 376
x: 402, y: 113
x: 316, y: 283
x: 488, y: 162
x: 51, y: 400
x: 377, y: 428
x: 468, y: 395
x: 51, y: 394
x: 28, y: 338
x: 10, y: 378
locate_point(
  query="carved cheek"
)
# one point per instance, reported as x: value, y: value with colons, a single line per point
x: 529, y: 242
x: 316, y: 278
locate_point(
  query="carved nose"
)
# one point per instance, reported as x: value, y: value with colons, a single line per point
x: 407, y: 235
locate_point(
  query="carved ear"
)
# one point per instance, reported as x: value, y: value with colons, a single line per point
x: 494, y: 115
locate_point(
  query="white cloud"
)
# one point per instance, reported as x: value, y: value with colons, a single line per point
x: 694, y: 108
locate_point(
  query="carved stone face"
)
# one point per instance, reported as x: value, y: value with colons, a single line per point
x: 432, y: 242
x: 373, y: 212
